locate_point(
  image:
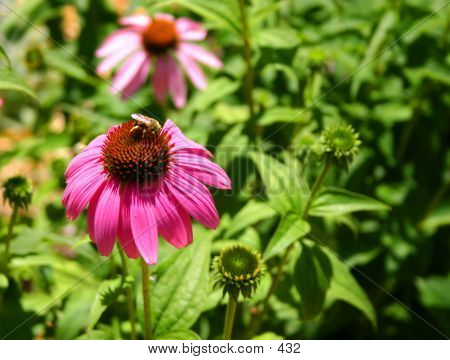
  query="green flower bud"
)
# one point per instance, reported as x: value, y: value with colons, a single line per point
x: 238, y: 269
x: 341, y: 143
x: 18, y: 191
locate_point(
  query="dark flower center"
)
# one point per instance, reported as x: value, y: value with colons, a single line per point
x: 135, y: 153
x: 160, y: 36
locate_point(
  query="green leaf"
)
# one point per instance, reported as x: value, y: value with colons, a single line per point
x: 179, y: 335
x: 221, y: 14
x: 268, y: 336
x: 282, y: 114
x: 312, y: 277
x: 434, y: 291
x: 284, y: 187
x: 291, y: 228
x: 10, y: 81
x: 67, y: 64
x: 277, y: 38
x: 179, y: 295
x: 107, y: 293
x: 392, y: 112
x: 216, y: 90
x: 5, y: 57
x: 344, y: 287
x: 335, y: 201
x: 251, y: 213
x: 4, y: 282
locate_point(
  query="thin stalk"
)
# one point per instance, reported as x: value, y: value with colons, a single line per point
x: 130, y: 298
x: 11, y: 224
x: 277, y: 278
x: 229, y: 318
x: 249, y: 81
x: 146, y: 296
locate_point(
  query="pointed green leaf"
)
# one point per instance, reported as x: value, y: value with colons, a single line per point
x: 344, y: 287
x: 284, y: 187
x: 181, y: 288
x: 434, y: 291
x: 10, y: 81
x: 291, y: 228
x: 106, y: 294
x: 334, y: 202
x: 250, y: 214
x: 312, y: 277
x: 179, y: 335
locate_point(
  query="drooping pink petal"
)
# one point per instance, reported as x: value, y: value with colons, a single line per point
x: 203, y: 169
x: 201, y: 55
x: 103, y: 217
x: 128, y: 72
x: 189, y: 30
x: 111, y: 61
x: 138, y: 80
x: 81, y: 187
x: 160, y: 81
x: 91, y: 154
x: 180, y: 143
x: 177, y: 84
x: 116, y: 41
x: 143, y: 223
x: 194, y: 197
x: 172, y: 220
x: 162, y: 16
x: 140, y: 21
x: 192, y: 69
x: 125, y: 234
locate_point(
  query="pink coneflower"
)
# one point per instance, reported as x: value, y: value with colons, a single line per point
x: 162, y: 41
x: 140, y: 180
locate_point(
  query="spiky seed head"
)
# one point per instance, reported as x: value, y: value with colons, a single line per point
x: 238, y: 270
x: 17, y: 191
x: 340, y: 144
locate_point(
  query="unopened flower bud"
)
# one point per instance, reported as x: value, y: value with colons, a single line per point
x: 341, y: 144
x: 17, y: 191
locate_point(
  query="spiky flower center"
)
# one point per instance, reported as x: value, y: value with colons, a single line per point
x: 239, y: 261
x: 17, y: 191
x: 160, y: 36
x: 136, y: 152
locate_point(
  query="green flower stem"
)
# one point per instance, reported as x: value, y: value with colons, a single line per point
x: 229, y: 317
x: 12, y: 222
x: 316, y: 187
x: 146, y: 296
x: 130, y: 300
x: 249, y: 83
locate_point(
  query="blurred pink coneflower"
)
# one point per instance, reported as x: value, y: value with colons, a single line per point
x: 140, y: 180
x: 162, y: 41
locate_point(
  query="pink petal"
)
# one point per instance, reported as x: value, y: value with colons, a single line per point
x: 143, y: 223
x: 189, y: 30
x: 160, y: 80
x: 162, y: 16
x: 140, y: 21
x: 128, y: 71
x: 90, y: 154
x: 111, y: 61
x: 138, y: 80
x: 173, y: 222
x: 200, y: 54
x: 116, y: 41
x: 125, y: 234
x: 177, y: 85
x: 194, y: 197
x: 80, y: 189
x: 180, y: 143
x: 203, y: 169
x: 103, y: 217
x: 192, y: 70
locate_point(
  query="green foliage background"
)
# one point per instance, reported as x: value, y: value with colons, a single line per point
x: 372, y: 261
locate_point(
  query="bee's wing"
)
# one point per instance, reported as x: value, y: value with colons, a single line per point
x: 142, y: 118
